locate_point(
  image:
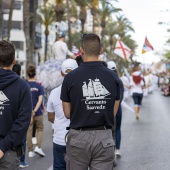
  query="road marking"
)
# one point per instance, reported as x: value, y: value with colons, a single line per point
x: 50, y: 168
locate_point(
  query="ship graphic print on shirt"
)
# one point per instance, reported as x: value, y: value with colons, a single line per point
x: 3, y: 98
x: 94, y: 90
x: 95, y: 95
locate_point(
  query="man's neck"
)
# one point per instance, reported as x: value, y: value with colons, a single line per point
x: 7, y: 68
x: 90, y: 58
x: 61, y: 39
x: 32, y: 79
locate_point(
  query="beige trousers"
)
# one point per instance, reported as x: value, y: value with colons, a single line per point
x: 38, y: 120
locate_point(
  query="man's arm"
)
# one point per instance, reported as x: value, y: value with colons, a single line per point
x: 51, y: 117
x: 116, y: 106
x: 20, y: 126
x: 1, y: 154
x: 39, y: 103
x: 66, y: 109
x: 68, y: 52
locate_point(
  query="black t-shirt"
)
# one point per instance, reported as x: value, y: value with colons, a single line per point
x: 92, y: 90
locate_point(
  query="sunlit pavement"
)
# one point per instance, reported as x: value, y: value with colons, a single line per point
x: 145, y: 142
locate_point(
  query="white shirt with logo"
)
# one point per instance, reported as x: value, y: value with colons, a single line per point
x: 61, y: 122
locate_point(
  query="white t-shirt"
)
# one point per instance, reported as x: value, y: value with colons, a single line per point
x: 61, y: 122
x: 136, y: 88
x: 60, y: 50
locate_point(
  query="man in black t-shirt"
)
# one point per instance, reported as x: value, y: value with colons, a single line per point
x: 90, y: 96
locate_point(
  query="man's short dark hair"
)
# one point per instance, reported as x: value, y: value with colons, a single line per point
x: 79, y: 60
x: 7, y: 53
x: 104, y: 63
x: 17, y: 69
x: 91, y: 44
x: 31, y: 71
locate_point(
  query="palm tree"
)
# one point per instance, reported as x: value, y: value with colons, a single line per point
x: 94, y: 11
x: 69, y: 25
x: 104, y: 13
x: 1, y: 18
x: 124, y: 25
x: 83, y: 13
x: 47, y: 17
x: 111, y: 31
x: 59, y: 10
x: 33, y: 25
x: 26, y: 21
x: 10, y: 19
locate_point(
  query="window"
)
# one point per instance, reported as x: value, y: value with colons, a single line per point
x: 19, y: 45
x: 16, y: 25
x: 17, y: 5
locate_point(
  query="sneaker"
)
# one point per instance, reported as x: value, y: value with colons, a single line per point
x: 39, y: 151
x: 137, y: 117
x: 23, y: 165
x: 117, y: 152
x: 31, y: 154
x: 34, y: 140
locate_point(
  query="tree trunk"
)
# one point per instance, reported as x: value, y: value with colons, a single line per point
x: 34, y: 19
x: 1, y: 19
x: 59, y: 12
x: 82, y: 17
x: 82, y: 27
x: 69, y: 26
x: 26, y: 19
x: 46, y: 43
x: 10, y: 19
x: 94, y: 12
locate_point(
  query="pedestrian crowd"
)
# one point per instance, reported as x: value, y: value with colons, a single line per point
x: 85, y: 110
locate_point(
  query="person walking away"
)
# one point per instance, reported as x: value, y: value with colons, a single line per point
x: 56, y: 116
x: 15, y: 109
x: 90, y: 103
x: 37, y: 98
x: 112, y: 66
x: 23, y: 164
x: 60, y: 48
x: 137, y: 86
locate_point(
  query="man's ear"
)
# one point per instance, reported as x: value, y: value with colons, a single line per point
x: 14, y: 62
x: 62, y: 74
x: 82, y: 51
x: 101, y: 51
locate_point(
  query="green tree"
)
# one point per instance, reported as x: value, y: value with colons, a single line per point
x: 83, y: 13
x: 26, y: 21
x: 94, y: 10
x: 104, y: 13
x: 59, y: 10
x: 1, y: 18
x: 10, y: 19
x: 33, y: 21
x: 47, y: 17
x: 124, y: 26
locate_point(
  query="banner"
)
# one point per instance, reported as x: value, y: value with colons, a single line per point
x: 146, y: 46
x: 122, y: 50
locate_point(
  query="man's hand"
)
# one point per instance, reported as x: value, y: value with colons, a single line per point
x: 1, y: 154
x: 73, y: 57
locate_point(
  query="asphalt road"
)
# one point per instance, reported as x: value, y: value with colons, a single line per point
x: 145, y: 142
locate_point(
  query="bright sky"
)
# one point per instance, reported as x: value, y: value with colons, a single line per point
x: 145, y: 15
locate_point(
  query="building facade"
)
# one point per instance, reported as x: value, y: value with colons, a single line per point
x: 17, y: 35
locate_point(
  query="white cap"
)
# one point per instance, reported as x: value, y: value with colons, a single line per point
x: 68, y: 64
x: 111, y: 65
